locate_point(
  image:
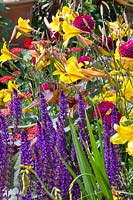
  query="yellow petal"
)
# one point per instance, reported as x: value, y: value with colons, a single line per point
x: 6, y: 54
x: 12, y: 85
x: 7, y: 97
x: 92, y: 72
x: 117, y: 139
x: 129, y: 148
x: 68, y: 78
x: 18, y: 35
x: 70, y: 31
x: 55, y: 24
x: 57, y: 72
x: 24, y: 26
x: 2, y: 93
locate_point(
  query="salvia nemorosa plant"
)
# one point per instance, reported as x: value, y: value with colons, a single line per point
x: 5, y: 159
x: 44, y: 155
x: 112, y: 155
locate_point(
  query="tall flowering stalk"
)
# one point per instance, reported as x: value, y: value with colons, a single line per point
x: 82, y: 126
x: 41, y: 162
x: 3, y: 161
x: 6, y: 153
x: 112, y: 154
x: 62, y: 176
x: 54, y: 140
x: 25, y: 159
x: 17, y: 110
x: 46, y: 120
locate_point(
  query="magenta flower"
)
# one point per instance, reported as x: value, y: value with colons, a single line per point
x: 126, y: 49
x: 84, y: 22
x: 46, y: 86
x: 82, y: 59
x: 106, y: 44
x: 55, y: 35
x: 103, y: 109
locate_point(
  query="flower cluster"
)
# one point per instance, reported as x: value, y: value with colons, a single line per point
x: 75, y: 69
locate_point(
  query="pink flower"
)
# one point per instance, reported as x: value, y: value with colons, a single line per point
x: 32, y: 132
x: 126, y: 49
x: 17, y: 50
x: 75, y: 49
x: 4, y: 112
x: 16, y: 72
x: 84, y: 22
x: 6, y: 78
x: 82, y: 59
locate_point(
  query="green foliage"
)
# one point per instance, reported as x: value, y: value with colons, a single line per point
x: 92, y: 168
x: 5, y: 23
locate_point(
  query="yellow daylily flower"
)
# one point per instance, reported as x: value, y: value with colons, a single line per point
x: 5, y: 94
x: 127, y: 89
x: 6, y: 54
x: 69, y: 32
x: 56, y: 23
x: 23, y: 27
x: 69, y: 70
x: 118, y: 29
x: 66, y: 14
x: 129, y: 148
x: 108, y: 96
x: 124, y: 133
x: 41, y: 56
x: 127, y: 63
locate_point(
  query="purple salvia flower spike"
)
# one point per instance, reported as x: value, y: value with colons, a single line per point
x: 26, y: 159
x: 25, y: 150
x: 112, y: 154
x: 4, y: 130
x: 17, y: 110
x: 62, y: 174
x: 82, y: 126
x: 3, y: 161
x: 42, y: 160
x: 63, y: 107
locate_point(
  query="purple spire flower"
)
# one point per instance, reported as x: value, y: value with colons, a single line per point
x: 25, y: 150
x: 17, y: 110
x: 46, y: 120
x: 26, y: 159
x: 3, y: 161
x: 83, y: 132
x: 76, y: 188
x: 4, y: 130
x: 63, y: 107
x: 112, y: 154
x: 43, y: 160
x: 5, y: 158
x: 61, y: 173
